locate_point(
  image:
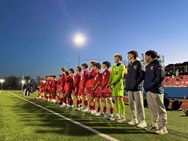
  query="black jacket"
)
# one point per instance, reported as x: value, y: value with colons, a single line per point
x: 135, y: 76
x: 154, y: 77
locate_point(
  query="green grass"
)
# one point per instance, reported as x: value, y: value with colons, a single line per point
x: 22, y: 121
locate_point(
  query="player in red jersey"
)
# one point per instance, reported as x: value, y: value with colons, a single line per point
x: 54, y: 89
x: 69, y: 87
x: 41, y: 89
x: 59, y: 88
x: 78, y: 87
x: 64, y: 77
x: 89, y: 83
x: 85, y: 89
x: 106, y: 91
x: 96, y: 89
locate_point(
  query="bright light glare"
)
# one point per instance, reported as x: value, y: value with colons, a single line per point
x: 23, y: 81
x: 2, y: 80
x: 79, y: 39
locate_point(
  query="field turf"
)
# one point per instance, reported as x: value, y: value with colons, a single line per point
x: 23, y: 121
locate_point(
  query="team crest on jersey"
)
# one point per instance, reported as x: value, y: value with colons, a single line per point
x: 151, y: 68
x: 105, y: 73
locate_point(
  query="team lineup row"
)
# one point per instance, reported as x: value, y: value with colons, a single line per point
x: 92, y: 88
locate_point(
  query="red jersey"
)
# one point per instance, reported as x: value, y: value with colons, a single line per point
x: 90, y: 78
x: 54, y: 86
x: 105, y: 78
x: 63, y: 80
x: 70, y: 84
x: 97, y: 83
x: 42, y: 86
x: 85, y: 78
x: 78, y: 83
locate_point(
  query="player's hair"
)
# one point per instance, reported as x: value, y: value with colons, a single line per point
x: 153, y: 54
x: 85, y: 65
x: 107, y: 63
x: 93, y: 62
x: 119, y: 56
x: 79, y: 68
x: 54, y: 76
x: 63, y: 69
x: 133, y: 52
x: 67, y: 73
x: 98, y: 65
x: 71, y: 70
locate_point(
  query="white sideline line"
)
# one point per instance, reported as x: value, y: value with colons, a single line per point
x: 70, y: 120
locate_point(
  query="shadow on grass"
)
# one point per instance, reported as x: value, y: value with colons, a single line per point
x: 41, y: 119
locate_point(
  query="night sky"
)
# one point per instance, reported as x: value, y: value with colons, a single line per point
x: 36, y: 36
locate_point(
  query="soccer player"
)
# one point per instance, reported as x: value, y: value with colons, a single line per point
x: 85, y: 90
x: 78, y: 87
x: 96, y: 90
x: 54, y: 88
x: 106, y: 91
x: 59, y: 88
x: 70, y: 81
x: 153, y: 85
x: 117, y: 83
x: 64, y: 77
x: 134, y: 79
x: 90, y: 81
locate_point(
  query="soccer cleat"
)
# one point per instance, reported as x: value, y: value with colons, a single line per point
x: 162, y: 131
x: 97, y: 114
x: 152, y: 128
x: 142, y: 124
x: 93, y: 112
x: 103, y: 114
x: 121, y: 120
x: 85, y: 110
x: 133, y: 122
x: 110, y: 118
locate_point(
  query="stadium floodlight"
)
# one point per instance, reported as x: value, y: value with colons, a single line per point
x: 23, y: 82
x: 2, y: 81
x: 79, y: 40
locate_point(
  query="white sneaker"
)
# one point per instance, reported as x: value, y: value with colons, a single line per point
x: 85, y: 110
x: 98, y: 114
x: 142, y: 124
x: 133, y: 122
x: 93, y: 112
x: 162, y: 131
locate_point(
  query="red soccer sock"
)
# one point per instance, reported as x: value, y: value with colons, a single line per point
x: 80, y: 101
x: 54, y: 97
x: 111, y: 110
x: 99, y: 109
x: 91, y: 107
x: 86, y: 103
x: 104, y: 109
x: 71, y: 102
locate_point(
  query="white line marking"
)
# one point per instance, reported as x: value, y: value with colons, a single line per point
x: 70, y: 120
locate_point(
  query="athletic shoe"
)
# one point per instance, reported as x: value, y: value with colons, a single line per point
x: 103, y: 114
x: 142, y: 124
x: 152, y: 128
x: 93, y: 112
x: 85, y: 110
x: 121, y: 120
x: 133, y: 122
x: 110, y: 118
x: 98, y: 114
x: 162, y: 131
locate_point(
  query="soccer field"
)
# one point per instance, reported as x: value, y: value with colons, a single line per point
x: 37, y: 120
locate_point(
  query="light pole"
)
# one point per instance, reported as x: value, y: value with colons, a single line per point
x: 2, y: 81
x: 68, y: 63
x: 79, y: 40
